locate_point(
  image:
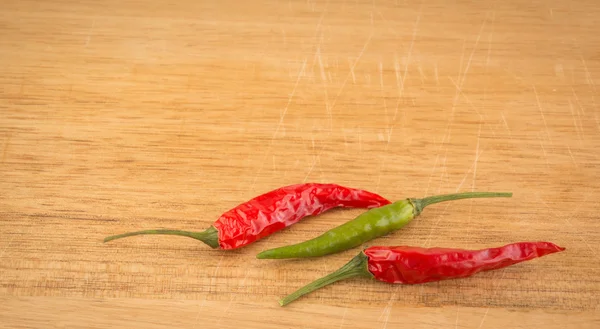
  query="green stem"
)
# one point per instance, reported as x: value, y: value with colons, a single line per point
x: 210, y: 236
x: 422, y: 203
x: 357, y: 266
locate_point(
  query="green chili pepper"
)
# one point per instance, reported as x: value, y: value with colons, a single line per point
x: 368, y: 226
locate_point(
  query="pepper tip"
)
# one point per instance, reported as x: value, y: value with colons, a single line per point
x: 263, y: 255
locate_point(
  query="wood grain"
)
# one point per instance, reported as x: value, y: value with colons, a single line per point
x: 118, y: 116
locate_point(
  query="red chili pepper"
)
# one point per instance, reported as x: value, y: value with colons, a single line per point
x: 274, y: 211
x: 415, y: 265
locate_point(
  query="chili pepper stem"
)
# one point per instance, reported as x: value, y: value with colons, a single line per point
x: 208, y: 236
x: 420, y: 204
x: 357, y: 266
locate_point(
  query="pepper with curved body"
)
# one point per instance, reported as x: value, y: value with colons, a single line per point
x: 416, y: 265
x: 272, y: 212
x: 368, y: 226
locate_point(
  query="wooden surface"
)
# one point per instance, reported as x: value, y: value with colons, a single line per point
x: 118, y: 116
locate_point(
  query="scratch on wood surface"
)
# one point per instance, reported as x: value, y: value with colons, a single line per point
x: 481, y: 118
x: 473, y: 52
x: 200, y: 307
x: 300, y: 74
x: 444, y: 169
x: 437, y: 158
x: 445, y: 207
x: 89, y: 34
x: 319, y: 34
x: 542, y: 113
x: 343, y: 317
x: 456, y: 321
x: 487, y: 61
x: 579, y: 110
x: 318, y: 42
x: 459, y: 87
x: 317, y: 57
x: 421, y: 73
x: 351, y: 70
x: 571, y: 154
x: 400, y: 86
x: 506, y: 125
x: 387, y: 311
x: 400, y: 82
x: 476, y: 157
x: 325, y: 87
x: 588, y: 76
x: 410, y: 49
x: 345, y: 82
x: 224, y: 313
x: 591, y: 83
x: 577, y: 129
x: 205, y: 296
x: 383, y: 97
x: 487, y: 310
x: 437, y: 78
x: 454, y: 102
x: 284, y: 37
x: 245, y: 278
x: 566, y: 218
x: 474, y: 166
x: 351, y: 73
x: 392, y: 28
x: 216, y: 270
x: 315, y: 157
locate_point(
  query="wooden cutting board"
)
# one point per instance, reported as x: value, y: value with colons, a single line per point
x: 128, y: 115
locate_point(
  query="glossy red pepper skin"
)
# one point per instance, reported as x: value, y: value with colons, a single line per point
x: 280, y: 208
x: 271, y: 212
x: 414, y: 265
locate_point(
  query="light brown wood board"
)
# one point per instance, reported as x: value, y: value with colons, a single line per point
x: 127, y: 115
